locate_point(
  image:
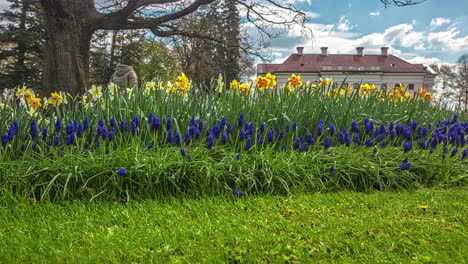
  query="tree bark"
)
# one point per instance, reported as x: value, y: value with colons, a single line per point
x: 69, y: 31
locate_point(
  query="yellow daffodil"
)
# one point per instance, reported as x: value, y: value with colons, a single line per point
x: 28, y: 96
x: 271, y: 80
x: 96, y: 92
x: 35, y: 103
x: 244, y: 89
x: 150, y: 85
x: 219, y: 83
x: 325, y: 82
x: 367, y: 89
x: 424, y: 207
x: 337, y: 92
x: 428, y: 96
x: 129, y: 91
x: 170, y: 88
x: 295, y: 80
x: 394, y: 96
x: 46, y: 102
x: 55, y: 99
x: 112, y: 87
x: 425, y: 95
x: 183, y: 83
x: 2, y: 105
x: 349, y: 90
x: 32, y: 112
x: 64, y: 97
x: 401, y: 89
x: 408, y: 96
x: 262, y: 83
x: 382, y: 96
x: 20, y: 92
x: 234, y: 85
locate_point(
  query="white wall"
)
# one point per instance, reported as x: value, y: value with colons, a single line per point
x: 419, y: 80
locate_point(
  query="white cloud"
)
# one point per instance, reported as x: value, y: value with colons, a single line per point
x: 374, y: 13
x: 297, y: 1
x: 279, y: 60
x: 344, y: 24
x: 438, y: 21
x: 423, y: 60
x: 424, y: 45
x: 447, y: 40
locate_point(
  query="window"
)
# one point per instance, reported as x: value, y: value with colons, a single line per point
x: 351, y: 68
x: 397, y: 85
x: 362, y: 68
x: 355, y: 86
x: 384, y: 86
x: 340, y: 68
x: 411, y: 86
x: 377, y: 68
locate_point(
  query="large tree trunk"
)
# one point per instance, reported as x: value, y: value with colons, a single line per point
x: 69, y: 32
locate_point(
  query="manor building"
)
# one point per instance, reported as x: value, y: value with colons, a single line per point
x: 384, y: 70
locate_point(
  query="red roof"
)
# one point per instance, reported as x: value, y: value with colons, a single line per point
x: 314, y: 62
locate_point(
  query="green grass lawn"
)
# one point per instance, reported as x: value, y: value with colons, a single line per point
x: 343, y: 227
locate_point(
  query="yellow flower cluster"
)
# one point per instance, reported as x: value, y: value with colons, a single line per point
x: 182, y: 86
x: 399, y: 94
x: 325, y: 82
x: 338, y: 92
x: 425, y: 95
x: 35, y: 103
x: 243, y: 89
x: 29, y: 97
x: 293, y: 83
x: 183, y: 83
x: 367, y: 89
x: 266, y: 82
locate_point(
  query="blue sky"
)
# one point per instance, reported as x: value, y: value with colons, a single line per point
x: 435, y: 31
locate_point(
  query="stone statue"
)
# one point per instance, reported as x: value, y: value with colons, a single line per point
x: 124, y: 76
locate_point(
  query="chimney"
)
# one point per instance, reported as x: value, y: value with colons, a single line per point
x: 324, y: 50
x: 360, y: 51
x: 300, y: 51
x: 384, y: 51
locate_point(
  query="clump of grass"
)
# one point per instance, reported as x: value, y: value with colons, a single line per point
x: 163, y: 172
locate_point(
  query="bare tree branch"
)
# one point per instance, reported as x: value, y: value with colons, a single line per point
x: 116, y: 22
x: 401, y: 3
